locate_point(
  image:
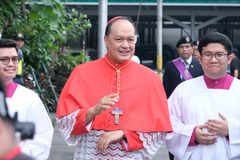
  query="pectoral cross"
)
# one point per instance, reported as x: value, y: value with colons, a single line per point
x: 117, y: 111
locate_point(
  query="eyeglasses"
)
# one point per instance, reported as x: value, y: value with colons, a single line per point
x: 6, y: 60
x: 218, y: 55
x: 130, y: 40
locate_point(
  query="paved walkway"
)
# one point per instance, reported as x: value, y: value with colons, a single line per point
x: 61, y: 151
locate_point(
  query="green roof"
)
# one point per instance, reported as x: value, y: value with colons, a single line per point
x: 164, y: 1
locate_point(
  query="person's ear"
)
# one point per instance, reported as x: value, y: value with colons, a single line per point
x: 200, y: 59
x: 106, y: 41
x: 229, y: 59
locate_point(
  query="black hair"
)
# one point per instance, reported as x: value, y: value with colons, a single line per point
x: 114, y: 19
x: 235, y: 51
x: 195, y: 43
x: 7, y: 43
x: 215, y: 37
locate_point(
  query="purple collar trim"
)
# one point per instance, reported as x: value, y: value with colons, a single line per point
x: 222, y: 83
x: 10, y: 89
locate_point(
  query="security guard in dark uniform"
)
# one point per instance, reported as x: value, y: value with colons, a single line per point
x: 19, y: 39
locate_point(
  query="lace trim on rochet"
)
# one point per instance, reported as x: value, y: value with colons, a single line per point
x: 86, y: 144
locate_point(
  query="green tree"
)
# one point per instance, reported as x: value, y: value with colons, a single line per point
x: 48, y: 25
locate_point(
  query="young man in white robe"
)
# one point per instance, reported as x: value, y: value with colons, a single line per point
x: 26, y: 103
x: 205, y: 111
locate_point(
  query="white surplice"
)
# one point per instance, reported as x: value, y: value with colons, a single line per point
x: 192, y: 104
x: 86, y: 144
x: 31, y: 109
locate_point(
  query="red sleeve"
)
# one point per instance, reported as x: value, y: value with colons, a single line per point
x: 133, y: 140
x: 193, y: 138
x: 71, y: 100
x: 79, y: 127
x: 68, y: 101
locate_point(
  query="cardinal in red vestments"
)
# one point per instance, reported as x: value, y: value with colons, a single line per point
x: 113, y: 107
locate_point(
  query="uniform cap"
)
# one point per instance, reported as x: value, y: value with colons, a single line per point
x: 18, y: 36
x: 184, y: 40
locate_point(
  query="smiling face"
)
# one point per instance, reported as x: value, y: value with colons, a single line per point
x: 215, y: 67
x: 8, y: 71
x: 121, y: 41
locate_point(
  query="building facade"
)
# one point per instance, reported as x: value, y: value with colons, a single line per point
x: 180, y: 18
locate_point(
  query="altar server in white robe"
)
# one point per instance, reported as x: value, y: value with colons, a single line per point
x: 26, y: 103
x: 205, y: 111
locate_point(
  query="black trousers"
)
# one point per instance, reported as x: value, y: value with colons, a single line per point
x: 171, y: 156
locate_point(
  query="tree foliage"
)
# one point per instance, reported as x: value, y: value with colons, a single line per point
x: 47, y: 25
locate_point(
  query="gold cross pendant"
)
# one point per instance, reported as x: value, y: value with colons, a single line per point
x: 117, y: 111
